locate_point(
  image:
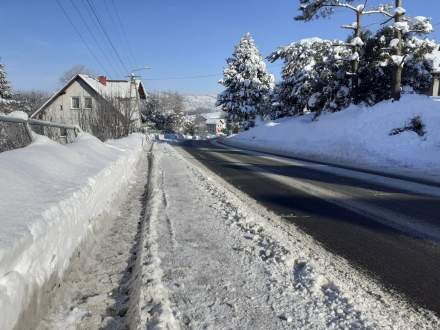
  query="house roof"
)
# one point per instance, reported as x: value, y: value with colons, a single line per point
x: 213, y: 121
x: 213, y: 115
x: 112, y: 88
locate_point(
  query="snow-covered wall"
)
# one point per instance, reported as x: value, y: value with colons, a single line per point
x: 49, y: 195
x: 358, y: 136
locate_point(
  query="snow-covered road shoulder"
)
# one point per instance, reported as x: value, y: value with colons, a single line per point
x: 377, y: 137
x: 222, y: 261
x: 50, y: 193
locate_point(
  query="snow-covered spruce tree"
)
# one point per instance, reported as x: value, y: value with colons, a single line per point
x: 277, y: 107
x: 7, y: 102
x: 247, y: 83
x: 311, y: 9
x: 314, y: 76
x: 5, y: 88
x: 396, y: 53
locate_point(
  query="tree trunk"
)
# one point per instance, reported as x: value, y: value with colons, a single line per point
x: 397, y: 83
x: 355, y: 64
x: 397, y: 75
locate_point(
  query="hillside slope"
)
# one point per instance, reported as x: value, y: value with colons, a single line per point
x: 206, y: 103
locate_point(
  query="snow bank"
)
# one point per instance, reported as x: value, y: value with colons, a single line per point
x: 359, y: 136
x: 49, y: 195
x: 16, y: 114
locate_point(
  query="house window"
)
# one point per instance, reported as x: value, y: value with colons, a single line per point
x: 75, y: 102
x: 87, y: 102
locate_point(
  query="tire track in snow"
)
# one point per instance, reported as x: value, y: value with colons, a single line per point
x: 153, y: 309
x: 167, y: 218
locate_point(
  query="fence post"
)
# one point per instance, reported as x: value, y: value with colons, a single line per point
x: 28, y: 131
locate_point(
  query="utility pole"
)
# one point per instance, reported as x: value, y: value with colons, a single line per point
x: 133, y: 101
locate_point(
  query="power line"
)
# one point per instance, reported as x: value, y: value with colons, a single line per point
x: 185, y: 77
x: 124, y: 33
x: 119, y: 39
x: 107, y: 36
x: 81, y: 36
x: 198, y: 76
x: 89, y: 29
x: 114, y: 63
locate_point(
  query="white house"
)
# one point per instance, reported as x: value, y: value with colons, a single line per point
x: 215, y: 125
x: 98, y: 105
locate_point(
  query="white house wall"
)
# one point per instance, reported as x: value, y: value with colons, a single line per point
x: 60, y: 109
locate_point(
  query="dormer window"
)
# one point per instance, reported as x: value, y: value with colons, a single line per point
x: 75, y: 102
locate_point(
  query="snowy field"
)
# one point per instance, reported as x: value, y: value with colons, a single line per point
x: 50, y: 194
x: 358, y: 136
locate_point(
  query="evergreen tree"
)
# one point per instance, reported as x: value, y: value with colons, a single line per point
x: 376, y: 74
x: 247, y: 83
x: 5, y: 88
x: 311, y: 9
x: 397, y: 53
x: 277, y: 107
x: 315, y: 73
x: 314, y: 76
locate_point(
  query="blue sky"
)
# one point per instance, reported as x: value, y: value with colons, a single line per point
x: 176, y: 38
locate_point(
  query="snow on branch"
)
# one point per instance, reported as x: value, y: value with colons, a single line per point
x: 311, y: 9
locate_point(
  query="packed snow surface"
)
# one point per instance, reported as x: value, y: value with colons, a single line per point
x: 214, y: 259
x: 49, y: 195
x: 205, y: 256
x: 358, y: 136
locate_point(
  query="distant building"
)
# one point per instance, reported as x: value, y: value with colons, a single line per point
x: 434, y: 57
x: 215, y: 126
x: 94, y: 103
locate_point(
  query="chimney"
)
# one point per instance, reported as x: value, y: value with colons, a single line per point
x: 102, y: 80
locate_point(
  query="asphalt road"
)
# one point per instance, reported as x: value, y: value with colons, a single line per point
x: 400, y: 260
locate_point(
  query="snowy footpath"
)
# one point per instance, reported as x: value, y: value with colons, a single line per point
x: 213, y: 259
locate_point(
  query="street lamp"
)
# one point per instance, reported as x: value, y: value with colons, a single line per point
x: 139, y: 69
